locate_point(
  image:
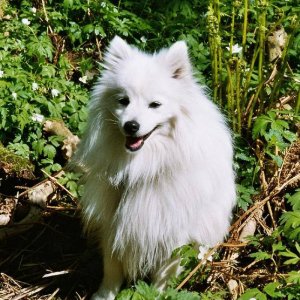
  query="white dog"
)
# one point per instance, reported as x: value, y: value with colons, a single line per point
x: 158, y: 161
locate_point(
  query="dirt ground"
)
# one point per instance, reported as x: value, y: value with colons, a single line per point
x: 52, y: 260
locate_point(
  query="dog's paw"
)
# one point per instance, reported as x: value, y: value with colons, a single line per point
x: 103, y: 295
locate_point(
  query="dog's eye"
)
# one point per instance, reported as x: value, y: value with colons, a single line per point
x: 154, y: 104
x: 124, y: 101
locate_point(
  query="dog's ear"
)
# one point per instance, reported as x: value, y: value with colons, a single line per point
x: 118, y: 50
x: 178, y: 60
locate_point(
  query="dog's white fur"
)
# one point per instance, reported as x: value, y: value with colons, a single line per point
x: 177, y: 189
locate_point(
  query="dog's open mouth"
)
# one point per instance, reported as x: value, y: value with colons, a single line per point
x: 134, y: 143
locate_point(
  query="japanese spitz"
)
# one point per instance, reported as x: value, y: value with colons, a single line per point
x: 158, y: 161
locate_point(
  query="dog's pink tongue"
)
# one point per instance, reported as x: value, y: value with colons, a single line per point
x: 134, y: 143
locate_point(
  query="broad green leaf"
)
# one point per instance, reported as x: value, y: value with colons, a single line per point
x: 272, y: 290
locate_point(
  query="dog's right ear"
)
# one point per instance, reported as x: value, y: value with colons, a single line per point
x: 118, y: 50
x: 178, y: 60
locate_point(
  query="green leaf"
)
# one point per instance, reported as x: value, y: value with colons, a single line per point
x: 260, y: 126
x: 48, y: 71
x: 125, y: 295
x: 291, y: 224
x: 293, y: 277
x: 294, y: 258
x: 278, y: 159
x: 272, y: 290
x: 146, y: 291
x: 278, y: 247
x: 294, y: 200
x: 49, y: 151
x: 68, y: 3
x: 260, y: 255
x: 253, y: 293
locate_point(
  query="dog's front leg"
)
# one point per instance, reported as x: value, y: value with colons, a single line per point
x: 112, y: 279
x: 170, y: 268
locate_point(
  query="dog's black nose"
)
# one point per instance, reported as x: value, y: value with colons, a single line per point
x: 131, y: 127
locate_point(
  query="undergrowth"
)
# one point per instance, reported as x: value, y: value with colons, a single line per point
x: 49, y: 58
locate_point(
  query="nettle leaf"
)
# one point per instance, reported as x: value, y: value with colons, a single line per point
x: 291, y: 224
x: 48, y: 71
x: 279, y: 125
x: 278, y: 159
x: 55, y: 167
x: 245, y: 196
x: 278, y: 247
x: 260, y: 255
x: 125, y: 295
x: 294, y: 200
x: 3, y: 116
x: 290, y: 136
x: 172, y: 294
x: 294, y: 258
x: 293, y: 277
x: 68, y: 3
x: 260, y: 126
x: 272, y: 290
x: 146, y: 291
x: 253, y: 293
x: 38, y: 146
x: 40, y: 47
x: 20, y: 149
x: 49, y: 151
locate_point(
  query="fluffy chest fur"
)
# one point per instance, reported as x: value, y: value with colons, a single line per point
x: 147, y: 226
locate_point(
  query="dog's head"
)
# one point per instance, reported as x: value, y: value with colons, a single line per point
x: 143, y: 92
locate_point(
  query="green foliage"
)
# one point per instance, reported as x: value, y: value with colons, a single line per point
x: 243, y: 77
x: 31, y: 86
x: 275, y: 129
x: 247, y: 169
x: 279, y: 253
x: 143, y: 291
x: 290, y: 220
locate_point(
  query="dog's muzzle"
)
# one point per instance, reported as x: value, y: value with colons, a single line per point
x: 133, y: 142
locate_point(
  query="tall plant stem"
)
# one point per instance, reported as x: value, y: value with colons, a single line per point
x: 256, y: 96
x: 230, y: 97
x: 232, y: 28
x: 261, y: 41
x: 218, y: 55
x: 238, y: 95
x: 248, y: 77
x: 297, y: 110
x: 245, y: 25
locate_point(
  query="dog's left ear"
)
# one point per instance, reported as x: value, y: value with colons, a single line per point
x: 178, y: 60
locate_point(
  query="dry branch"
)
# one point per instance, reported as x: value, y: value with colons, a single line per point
x: 54, y: 127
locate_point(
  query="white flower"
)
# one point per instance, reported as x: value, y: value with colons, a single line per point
x: 33, y: 10
x: 235, y: 49
x: 83, y: 79
x: 55, y: 92
x: 143, y: 39
x: 35, y: 86
x: 203, y: 252
x: 252, y: 299
x: 25, y: 21
x: 1, y: 73
x: 14, y: 95
x: 38, y: 118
